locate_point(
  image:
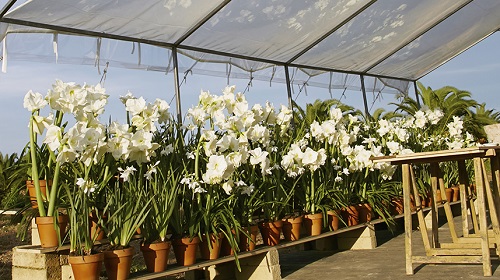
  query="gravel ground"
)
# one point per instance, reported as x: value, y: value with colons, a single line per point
x: 8, y: 240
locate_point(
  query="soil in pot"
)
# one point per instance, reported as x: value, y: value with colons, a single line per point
x: 49, y: 237
x: 291, y: 228
x: 86, y: 267
x: 118, y: 263
x: 156, y: 255
x: 313, y: 224
x: 185, y: 250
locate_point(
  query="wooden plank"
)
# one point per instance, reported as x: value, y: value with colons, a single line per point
x: 407, y: 214
x: 492, y: 209
x: 483, y: 226
x: 420, y: 215
x: 463, y: 179
x: 448, y: 259
x: 434, y: 209
x: 456, y: 252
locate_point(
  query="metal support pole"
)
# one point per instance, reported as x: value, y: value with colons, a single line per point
x: 289, y: 90
x: 363, y: 89
x: 416, y: 94
x: 176, y: 85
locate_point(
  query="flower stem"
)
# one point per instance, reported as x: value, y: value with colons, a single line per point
x: 34, y: 172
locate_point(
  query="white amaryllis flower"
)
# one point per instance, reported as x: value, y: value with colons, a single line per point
x: 257, y: 156
x: 87, y: 186
x: 125, y: 174
x: 248, y: 190
x: 216, y: 168
x: 228, y: 187
x: 310, y: 156
x: 34, y: 101
x: 151, y: 170
x: 53, y: 137
x: 135, y: 105
x: 167, y: 150
x: 40, y: 123
x: 335, y: 114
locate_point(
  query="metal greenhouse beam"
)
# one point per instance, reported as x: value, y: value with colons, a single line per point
x: 289, y: 89
x: 416, y: 94
x: 7, y: 7
x: 177, y: 86
x: 363, y: 90
x: 330, y: 32
x: 409, y: 41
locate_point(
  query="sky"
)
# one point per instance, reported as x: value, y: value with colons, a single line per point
x: 477, y: 70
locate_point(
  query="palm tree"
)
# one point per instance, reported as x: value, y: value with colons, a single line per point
x: 452, y: 102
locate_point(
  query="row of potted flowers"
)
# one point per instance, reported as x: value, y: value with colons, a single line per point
x: 228, y: 167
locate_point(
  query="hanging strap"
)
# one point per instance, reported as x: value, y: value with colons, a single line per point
x: 55, y: 40
x: 272, y: 75
x: 139, y: 59
x: 4, y: 55
x: 98, y: 55
x: 229, y: 67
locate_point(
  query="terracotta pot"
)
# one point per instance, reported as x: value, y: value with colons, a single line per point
x: 449, y: 194
x: 49, y: 236
x: 185, y: 250
x: 86, y: 267
x: 156, y: 255
x: 397, y: 206
x: 291, y: 228
x: 334, y: 219
x: 32, y: 191
x: 439, y: 198
x: 456, y: 193
x: 212, y: 252
x: 271, y: 232
x: 313, y: 224
x: 95, y: 230
x: 118, y: 263
x: 365, y: 212
x: 350, y: 215
x: 245, y: 243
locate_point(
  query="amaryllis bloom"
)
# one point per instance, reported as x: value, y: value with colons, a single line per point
x: 216, y: 168
x: 151, y: 170
x: 135, y: 105
x: 125, y: 174
x: 34, y: 101
x: 87, y: 186
x: 248, y: 190
x: 228, y: 187
x: 40, y: 123
x: 53, y: 137
x: 257, y: 156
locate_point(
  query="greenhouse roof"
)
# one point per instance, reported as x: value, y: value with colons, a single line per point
x: 391, y: 40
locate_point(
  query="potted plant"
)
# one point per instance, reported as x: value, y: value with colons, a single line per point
x: 162, y: 186
x: 63, y: 98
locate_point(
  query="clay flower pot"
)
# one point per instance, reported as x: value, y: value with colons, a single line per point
x: 32, y: 191
x: 350, y: 215
x: 334, y: 219
x: 365, y: 212
x: 291, y: 228
x: 313, y: 223
x: 449, y: 194
x: 185, y: 250
x: 271, y: 232
x: 95, y: 230
x: 156, y: 255
x: 456, y: 193
x: 245, y: 243
x: 215, y: 241
x: 86, y: 267
x: 118, y: 263
x: 49, y: 237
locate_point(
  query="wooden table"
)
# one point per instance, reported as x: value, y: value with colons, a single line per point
x: 472, y: 247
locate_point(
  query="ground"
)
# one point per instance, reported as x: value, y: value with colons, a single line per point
x: 8, y: 240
